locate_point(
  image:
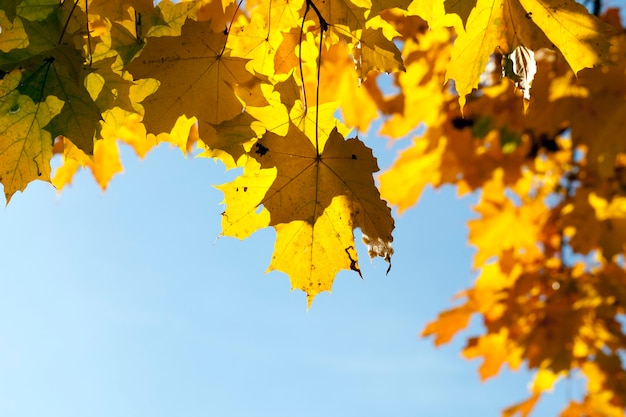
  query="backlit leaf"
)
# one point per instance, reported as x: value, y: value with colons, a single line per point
x: 25, y: 145
x: 206, y: 90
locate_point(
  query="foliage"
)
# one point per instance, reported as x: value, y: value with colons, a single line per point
x: 521, y: 101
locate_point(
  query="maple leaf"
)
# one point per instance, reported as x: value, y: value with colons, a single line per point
x: 36, y: 9
x: 12, y: 35
x: 25, y: 147
x: 281, y: 14
x: 502, y: 226
x: 576, y: 33
x: 612, y: 230
x: 423, y: 162
x: 421, y: 98
x: 257, y: 42
x: 345, y: 15
x: 54, y: 67
x: 449, y: 323
x: 231, y: 139
x: 258, y: 85
x: 109, y: 87
x: 496, y: 349
x: 508, y: 24
x: 373, y: 51
x: 196, y: 74
x: 104, y: 164
x: 312, y: 254
x: 305, y: 184
x: 62, y: 75
x: 120, y: 10
x: 285, y: 57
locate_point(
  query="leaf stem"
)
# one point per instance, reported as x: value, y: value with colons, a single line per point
x: 317, y: 93
x: 230, y: 25
x: 67, y: 22
x: 323, y: 28
x: 88, y: 34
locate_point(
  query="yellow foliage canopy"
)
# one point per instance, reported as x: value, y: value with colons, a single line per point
x: 520, y: 101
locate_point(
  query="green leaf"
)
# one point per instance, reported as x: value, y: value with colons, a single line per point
x: 25, y: 146
x: 36, y: 10
x: 63, y: 75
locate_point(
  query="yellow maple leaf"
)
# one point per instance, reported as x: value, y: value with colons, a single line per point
x: 373, y: 51
x: 327, y: 193
x: 344, y: 15
x: 257, y: 41
x: 119, y: 10
x: 417, y: 167
x: 507, y: 24
x: 104, y: 164
x: 218, y: 12
x: 231, y: 139
x: 280, y: 14
x: 197, y: 77
x: 572, y: 29
x: 488, y: 294
x: 341, y: 85
x: 312, y: 254
x: 243, y: 197
x: 25, y: 145
x: 421, y: 87
x: 503, y: 226
x: 496, y: 349
x: 449, y: 323
x: 126, y: 126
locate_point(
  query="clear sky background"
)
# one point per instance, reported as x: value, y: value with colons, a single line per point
x: 125, y: 303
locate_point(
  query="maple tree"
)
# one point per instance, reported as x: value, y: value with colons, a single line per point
x: 521, y: 101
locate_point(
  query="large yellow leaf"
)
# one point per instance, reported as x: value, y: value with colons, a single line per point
x: 312, y: 254
x: 25, y: 146
x: 307, y: 181
x: 572, y: 29
x: 485, y: 30
x: 197, y: 76
x: 315, y: 196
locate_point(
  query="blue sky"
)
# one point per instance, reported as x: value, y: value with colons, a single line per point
x: 125, y: 303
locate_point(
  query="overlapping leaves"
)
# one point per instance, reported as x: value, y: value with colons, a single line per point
x: 257, y: 85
